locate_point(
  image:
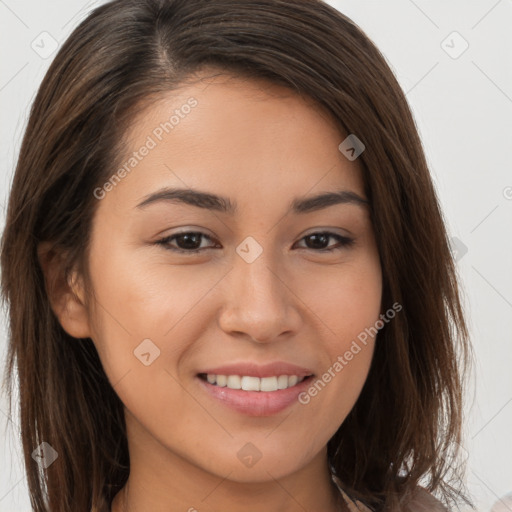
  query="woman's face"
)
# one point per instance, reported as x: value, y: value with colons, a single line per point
x: 261, y: 298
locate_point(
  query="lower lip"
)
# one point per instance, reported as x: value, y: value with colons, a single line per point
x: 256, y: 403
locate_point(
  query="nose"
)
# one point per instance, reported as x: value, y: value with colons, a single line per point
x: 259, y: 303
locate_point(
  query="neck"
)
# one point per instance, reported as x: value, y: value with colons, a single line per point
x: 293, y: 493
x: 162, y: 480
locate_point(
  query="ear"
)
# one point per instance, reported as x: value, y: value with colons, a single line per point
x: 66, y: 293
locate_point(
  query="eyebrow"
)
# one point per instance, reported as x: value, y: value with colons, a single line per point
x: 208, y: 201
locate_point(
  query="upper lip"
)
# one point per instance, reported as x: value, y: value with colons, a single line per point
x: 252, y: 369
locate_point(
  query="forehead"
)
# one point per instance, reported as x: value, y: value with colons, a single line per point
x: 239, y: 137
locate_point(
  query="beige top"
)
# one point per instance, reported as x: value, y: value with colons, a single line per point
x: 358, y: 506
x: 423, y: 501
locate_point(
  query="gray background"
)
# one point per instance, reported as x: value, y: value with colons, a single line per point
x: 462, y: 103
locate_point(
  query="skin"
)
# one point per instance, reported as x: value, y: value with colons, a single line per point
x: 261, y: 145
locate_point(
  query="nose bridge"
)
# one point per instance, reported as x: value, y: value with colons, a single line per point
x: 257, y: 301
x: 259, y: 284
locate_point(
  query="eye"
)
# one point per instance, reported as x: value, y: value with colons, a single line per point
x: 320, y: 238
x: 190, y: 241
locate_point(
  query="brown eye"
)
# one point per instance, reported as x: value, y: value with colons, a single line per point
x: 187, y: 242
x: 318, y: 241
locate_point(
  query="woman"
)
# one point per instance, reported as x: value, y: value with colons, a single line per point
x: 183, y: 340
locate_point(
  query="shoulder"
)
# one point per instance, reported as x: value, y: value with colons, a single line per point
x: 423, y: 501
x: 353, y: 505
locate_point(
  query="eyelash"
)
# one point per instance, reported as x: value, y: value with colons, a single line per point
x: 343, y: 240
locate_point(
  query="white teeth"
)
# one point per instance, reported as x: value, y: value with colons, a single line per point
x: 222, y: 380
x: 282, y: 382
x: 292, y: 380
x: 234, y: 382
x: 249, y: 383
x: 269, y: 384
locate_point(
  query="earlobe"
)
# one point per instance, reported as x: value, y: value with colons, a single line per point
x: 66, y: 293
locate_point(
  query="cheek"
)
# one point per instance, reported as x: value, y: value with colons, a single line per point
x: 347, y: 305
x: 144, y: 319
x: 139, y: 299
x: 345, y: 298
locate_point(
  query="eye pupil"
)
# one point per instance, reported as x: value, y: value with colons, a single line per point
x: 188, y: 237
x: 315, y: 237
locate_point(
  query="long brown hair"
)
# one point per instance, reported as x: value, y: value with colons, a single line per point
x: 406, y: 425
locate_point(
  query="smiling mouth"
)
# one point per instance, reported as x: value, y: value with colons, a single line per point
x: 250, y: 383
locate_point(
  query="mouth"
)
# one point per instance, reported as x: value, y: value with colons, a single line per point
x: 251, y: 383
x: 254, y: 396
